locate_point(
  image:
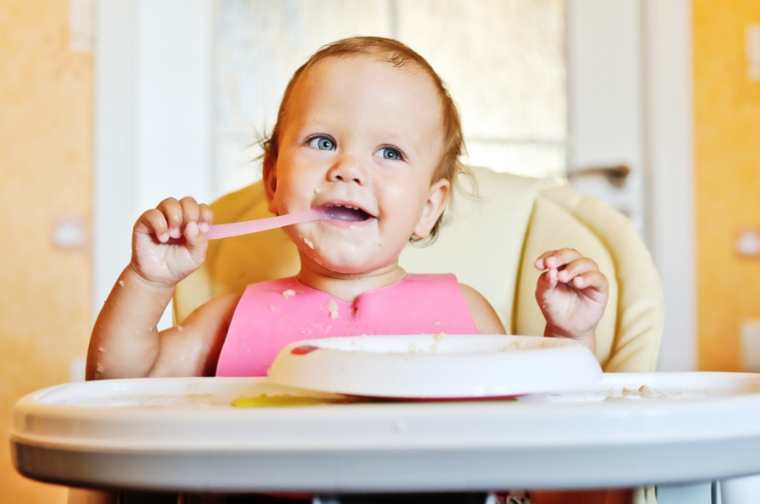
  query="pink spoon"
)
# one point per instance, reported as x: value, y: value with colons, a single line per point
x: 218, y: 231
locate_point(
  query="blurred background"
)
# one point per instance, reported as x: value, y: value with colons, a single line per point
x: 108, y: 106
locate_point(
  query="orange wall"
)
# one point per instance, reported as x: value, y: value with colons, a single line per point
x: 45, y: 174
x: 727, y: 175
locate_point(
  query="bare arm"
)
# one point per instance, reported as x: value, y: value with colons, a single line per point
x: 192, y: 349
x: 485, y: 317
x: 125, y: 341
x: 168, y: 243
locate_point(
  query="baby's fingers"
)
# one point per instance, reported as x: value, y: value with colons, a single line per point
x: 207, y: 217
x: 193, y: 234
x: 197, y: 218
x: 593, y: 283
x: 575, y: 268
x: 191, y: 214
x: 153, y: 222
x: 172, y: 210
x: 190, y: 210
x: 556, y: 258
x: 547, y: 280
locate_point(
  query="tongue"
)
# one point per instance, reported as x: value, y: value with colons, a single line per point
x: 346, y: 214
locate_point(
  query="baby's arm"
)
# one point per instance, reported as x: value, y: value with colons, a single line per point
x: 125, y: 342
x: 485, y: 317
x: 168, y: 243
x: 192, y: 349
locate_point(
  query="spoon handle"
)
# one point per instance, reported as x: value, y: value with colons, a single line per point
x: 218, y: 231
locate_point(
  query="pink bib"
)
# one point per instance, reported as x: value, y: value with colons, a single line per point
x: 271, y: 315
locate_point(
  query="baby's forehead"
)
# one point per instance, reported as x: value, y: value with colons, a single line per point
x: 341, y: 70
x: 368, y: 79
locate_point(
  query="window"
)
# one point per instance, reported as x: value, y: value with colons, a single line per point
x: 503, y: 61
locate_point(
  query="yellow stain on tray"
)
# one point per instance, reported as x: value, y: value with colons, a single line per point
x: 285, y: 401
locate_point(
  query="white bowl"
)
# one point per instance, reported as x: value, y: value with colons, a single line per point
x: 436, y: 366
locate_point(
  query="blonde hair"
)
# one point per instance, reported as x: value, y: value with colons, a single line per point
x: 398, y: 55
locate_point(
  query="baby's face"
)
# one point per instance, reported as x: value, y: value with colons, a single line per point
x: 363, y: 137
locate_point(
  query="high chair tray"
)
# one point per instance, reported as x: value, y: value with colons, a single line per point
x: 183, y: 434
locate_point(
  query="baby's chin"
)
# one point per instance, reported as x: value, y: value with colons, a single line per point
x: 350, y: 263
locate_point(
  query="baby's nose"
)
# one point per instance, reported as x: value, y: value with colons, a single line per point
x: 347, y: 171
x: 342, y: 178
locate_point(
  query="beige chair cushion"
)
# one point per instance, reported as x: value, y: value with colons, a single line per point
x: 490, y: 241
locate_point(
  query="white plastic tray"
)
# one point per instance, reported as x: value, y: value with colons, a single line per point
x: 436, y: 366
x: 182, y: 434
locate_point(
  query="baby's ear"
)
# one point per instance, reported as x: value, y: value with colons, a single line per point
x: 270, y: 181
x: 438, y: 197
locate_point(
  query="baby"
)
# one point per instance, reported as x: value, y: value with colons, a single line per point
x: 367, y: 129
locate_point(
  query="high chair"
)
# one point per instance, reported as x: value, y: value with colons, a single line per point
x: 495, y: 228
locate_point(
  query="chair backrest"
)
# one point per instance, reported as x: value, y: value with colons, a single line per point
x: 490, y: 240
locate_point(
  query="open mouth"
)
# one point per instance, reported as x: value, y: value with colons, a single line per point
x: 346, y: 212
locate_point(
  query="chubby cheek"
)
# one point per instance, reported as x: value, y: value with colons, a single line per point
x: 292, y: 194
x: 403, y: 205
x: 288, y: 177
x: 282, y: 203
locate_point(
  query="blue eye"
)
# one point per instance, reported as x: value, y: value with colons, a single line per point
x: 321, y: 142
x: 392, y: 153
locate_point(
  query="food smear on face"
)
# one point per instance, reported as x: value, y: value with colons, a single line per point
x: 287, y: 293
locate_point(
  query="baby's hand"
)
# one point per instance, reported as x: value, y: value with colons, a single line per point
x: 571, y: 293
x: 169, y: 242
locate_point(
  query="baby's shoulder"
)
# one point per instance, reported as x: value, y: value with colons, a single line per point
x: 473, y: 296
x: 217, y: 308
x: 484, y: 315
